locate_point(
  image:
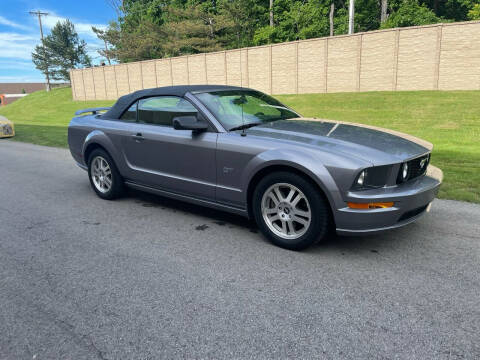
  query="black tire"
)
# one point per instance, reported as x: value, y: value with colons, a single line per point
x: 320, y: 221
x: 117, y: 186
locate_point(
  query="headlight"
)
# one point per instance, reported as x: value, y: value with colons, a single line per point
x: 361, y: 178
x: 412, y: 169
x: 404, y: 171
x: 373, y: 177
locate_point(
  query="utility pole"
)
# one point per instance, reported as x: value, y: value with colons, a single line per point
x: 332, y: 11
x: 383, y: 12
x: 40, y: 14
x: 271, y: 13
x: 351, y: 14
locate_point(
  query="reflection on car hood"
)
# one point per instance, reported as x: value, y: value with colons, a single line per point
x: 376, y: 145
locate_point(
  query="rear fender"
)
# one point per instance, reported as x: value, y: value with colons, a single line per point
x: 99, y: 138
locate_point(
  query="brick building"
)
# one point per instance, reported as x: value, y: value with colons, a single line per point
x: 9, y: 92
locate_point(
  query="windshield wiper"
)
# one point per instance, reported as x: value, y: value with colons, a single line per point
x: 245, y: 126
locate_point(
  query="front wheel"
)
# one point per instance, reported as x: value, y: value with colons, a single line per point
x: 290, y: 211
x: 104, y: 176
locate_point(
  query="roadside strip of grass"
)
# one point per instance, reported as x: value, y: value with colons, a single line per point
x: 448, y: 119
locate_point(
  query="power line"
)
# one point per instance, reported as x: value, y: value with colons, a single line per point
x: 40, y: 14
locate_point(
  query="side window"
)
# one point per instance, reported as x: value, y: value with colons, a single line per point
x: 130, y: 114
x: 161, y: 110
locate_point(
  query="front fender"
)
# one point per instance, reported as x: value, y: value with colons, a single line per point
x: 304, y: 161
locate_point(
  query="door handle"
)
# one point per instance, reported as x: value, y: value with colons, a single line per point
x: 138, y: 137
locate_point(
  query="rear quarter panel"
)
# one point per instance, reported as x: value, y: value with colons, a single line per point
x: 87, y: 130
x: 78, y: 129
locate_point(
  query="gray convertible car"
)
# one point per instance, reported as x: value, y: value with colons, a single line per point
x: 242, y: 151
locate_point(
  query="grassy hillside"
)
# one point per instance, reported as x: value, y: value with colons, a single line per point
x: 450, y: 120
x: 42, y: 118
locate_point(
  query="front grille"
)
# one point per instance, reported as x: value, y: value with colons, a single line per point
x: 416, y: 167
x: 412, y: 213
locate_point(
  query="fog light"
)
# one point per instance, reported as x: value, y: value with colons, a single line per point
x: 375, y: 205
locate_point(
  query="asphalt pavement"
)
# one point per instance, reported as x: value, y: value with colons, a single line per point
x: 148, y: 278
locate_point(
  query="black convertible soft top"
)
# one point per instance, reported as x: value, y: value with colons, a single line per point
x: 124, y: 102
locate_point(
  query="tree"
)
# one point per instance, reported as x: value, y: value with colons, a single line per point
x: 102, y: 35
x: 410, y: 13
x: 62, y: 50
x: 142, y: 42
x: 245, y: 16
x: 194, y: 29
x: 190, y: 29
x: 148, y: 29
x: 474, y: 13
x: 147, y: 41
x: 42, y: 60
x: 296, y: 20
x: 452, y: 10
x: 116, y: 5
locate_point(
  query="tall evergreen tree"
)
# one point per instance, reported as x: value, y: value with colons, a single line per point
x: 61, y: 51
x: 42, y: 61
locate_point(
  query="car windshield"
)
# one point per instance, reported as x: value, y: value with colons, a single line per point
x: 237, y: 109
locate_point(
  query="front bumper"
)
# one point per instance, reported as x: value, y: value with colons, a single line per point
x: 411, y: 200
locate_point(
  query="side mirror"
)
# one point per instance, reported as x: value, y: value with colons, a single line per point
x: 189, y: 122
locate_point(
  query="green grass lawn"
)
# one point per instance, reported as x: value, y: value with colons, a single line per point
x: 448, y: 119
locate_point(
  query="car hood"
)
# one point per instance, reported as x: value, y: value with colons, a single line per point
x: 376, y: 145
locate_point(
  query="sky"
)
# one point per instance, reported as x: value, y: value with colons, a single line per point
x: 19, y: 32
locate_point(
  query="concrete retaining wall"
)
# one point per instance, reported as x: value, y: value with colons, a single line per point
x: 432, y: 57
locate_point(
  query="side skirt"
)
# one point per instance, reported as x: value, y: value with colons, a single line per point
x: 189, y: 199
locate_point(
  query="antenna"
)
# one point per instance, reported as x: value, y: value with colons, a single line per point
x: 241, y: 69
x: 243, y: 123
x: 40, y: 14
x: 241, y: 84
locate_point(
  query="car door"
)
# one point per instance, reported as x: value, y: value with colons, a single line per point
x: 179, y: 161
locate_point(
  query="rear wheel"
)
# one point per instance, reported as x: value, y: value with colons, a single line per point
x: 290, y: 211
x: 105, y: 179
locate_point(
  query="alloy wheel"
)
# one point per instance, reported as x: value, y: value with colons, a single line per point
x: 286, y: 211
x: 101, y: 174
